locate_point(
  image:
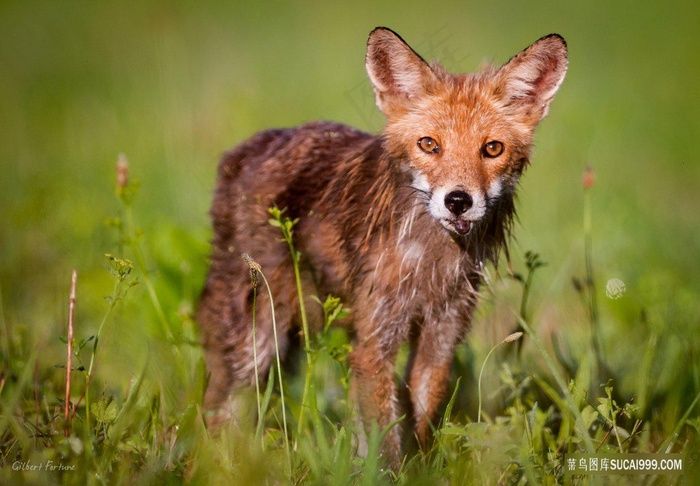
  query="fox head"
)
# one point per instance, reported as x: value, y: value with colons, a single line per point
x: 464, y: 138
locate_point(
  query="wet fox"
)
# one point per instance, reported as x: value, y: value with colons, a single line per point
x: 399, y: 225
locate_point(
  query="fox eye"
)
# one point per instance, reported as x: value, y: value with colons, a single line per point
x: 492, y: 149
x: 428, y: 145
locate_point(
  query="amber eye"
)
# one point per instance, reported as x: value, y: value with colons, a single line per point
x: 428, y: 145
x: 492, y: 149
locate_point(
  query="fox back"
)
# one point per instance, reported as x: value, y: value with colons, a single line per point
x: 398, y: 225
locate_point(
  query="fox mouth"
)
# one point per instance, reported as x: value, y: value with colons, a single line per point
x: 461, y: 227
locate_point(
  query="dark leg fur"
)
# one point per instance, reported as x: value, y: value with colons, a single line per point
x: 225, y: 310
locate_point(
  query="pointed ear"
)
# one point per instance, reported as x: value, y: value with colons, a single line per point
x: 396, y: 71
x: 531, y: 79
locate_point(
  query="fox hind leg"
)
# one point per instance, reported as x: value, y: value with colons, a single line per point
x: 228, y: 329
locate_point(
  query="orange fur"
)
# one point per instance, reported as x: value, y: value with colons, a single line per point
x: 398, y: 228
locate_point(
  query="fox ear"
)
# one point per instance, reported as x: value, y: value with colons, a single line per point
x: 532, y: 77
x: 396, y: 71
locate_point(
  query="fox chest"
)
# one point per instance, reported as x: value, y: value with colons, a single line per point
x: 415, y: 279
x: 397, y: 279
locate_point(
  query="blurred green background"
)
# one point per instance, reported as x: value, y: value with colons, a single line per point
x: 174, y: 84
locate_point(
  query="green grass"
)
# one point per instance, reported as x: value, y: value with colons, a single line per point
x: 173, y: 85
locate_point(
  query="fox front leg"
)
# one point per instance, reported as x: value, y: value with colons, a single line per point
x: 374, y: 391
x: 430, y: 370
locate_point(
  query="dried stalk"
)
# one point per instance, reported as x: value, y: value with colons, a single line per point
x: 69, y: 351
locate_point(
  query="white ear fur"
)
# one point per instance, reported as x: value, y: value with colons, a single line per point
x: 532, y: 77
x: 396, y: 71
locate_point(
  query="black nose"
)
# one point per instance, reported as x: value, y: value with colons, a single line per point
x: 458, y: 202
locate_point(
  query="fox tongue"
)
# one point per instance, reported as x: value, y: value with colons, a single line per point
x: 462, y: 227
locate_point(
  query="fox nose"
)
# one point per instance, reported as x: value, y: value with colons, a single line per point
x: 458, y: 202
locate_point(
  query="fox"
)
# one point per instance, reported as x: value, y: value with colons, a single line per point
x: 399, y: 225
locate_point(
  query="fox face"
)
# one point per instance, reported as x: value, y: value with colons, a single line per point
x: 465, y: 139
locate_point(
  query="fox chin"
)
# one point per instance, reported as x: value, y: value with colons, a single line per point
x: 398, y: 225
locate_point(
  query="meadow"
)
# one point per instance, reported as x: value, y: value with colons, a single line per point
x: 112, y: 120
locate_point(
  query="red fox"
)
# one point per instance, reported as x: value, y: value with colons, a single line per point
x: 398, y: 225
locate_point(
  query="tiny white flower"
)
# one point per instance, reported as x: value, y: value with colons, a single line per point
x: 615, y: 288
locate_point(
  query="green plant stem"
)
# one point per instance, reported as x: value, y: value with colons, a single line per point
x: 310, y: 356
x: 613, y: 415
x: 308, y: 398
x: 4, y: 332
x: 255, y: 363
x: 481, y: 372
x: 668, y: 443
x: 523, y: 307
x: 526, y: 294
x: 549, y: 361
x: 140, y: 258
x: 590, y: 280
x: 300, y: 295
x: 88, y: 376
x: 279, y: 373
x: 286, y: 226
x: 10, y: 400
